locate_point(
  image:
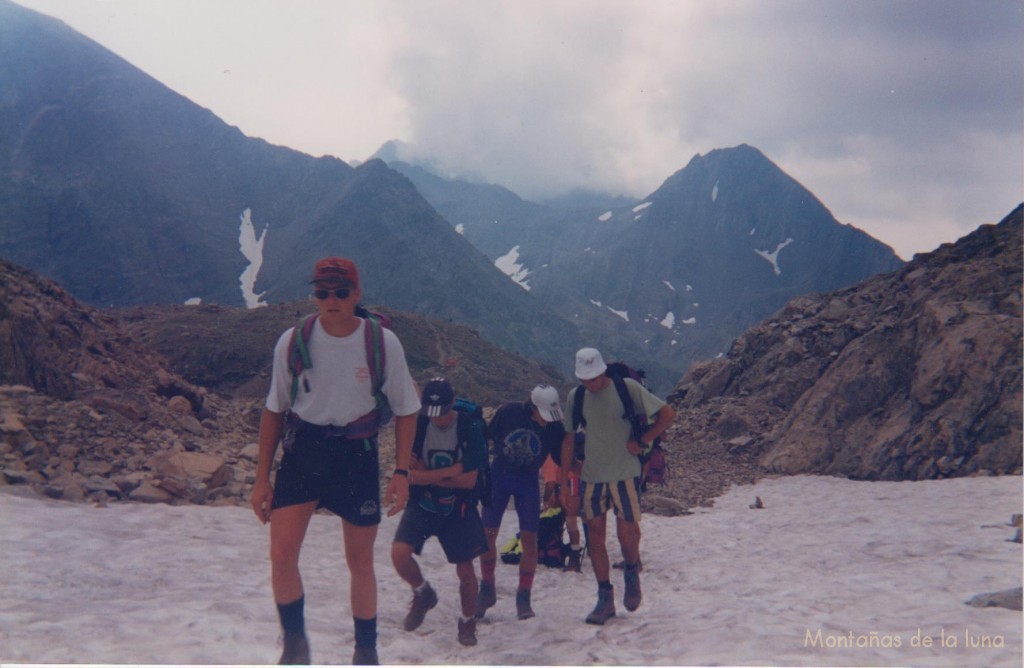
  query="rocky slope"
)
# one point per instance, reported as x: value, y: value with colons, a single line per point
x: 162, y: 404
x: 910, y: 375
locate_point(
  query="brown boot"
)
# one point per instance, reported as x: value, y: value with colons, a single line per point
x: 467, y: 632
x: 421, y: 604
x: 296, y: 650
x: 365, y: 656
x: 605, y: 608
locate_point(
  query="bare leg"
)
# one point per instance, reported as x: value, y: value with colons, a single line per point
x: 405, y: 564
x: 528, y: 561
x: 629, y: 539
x: 287, y: 530
x: 467, y: 587
x: 359, y: 556
x: 598, y: 547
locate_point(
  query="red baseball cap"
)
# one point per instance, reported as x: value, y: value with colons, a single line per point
x: 336, y: 270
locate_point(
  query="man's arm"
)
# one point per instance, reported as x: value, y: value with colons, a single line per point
x: 565, y: 468
x: 666, y: 415
x: 397, y: 494
x: 271, y: 425
x: 423, y: 476
x: 462, y: 480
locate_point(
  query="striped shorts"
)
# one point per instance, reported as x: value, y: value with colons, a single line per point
x: 622, y: 496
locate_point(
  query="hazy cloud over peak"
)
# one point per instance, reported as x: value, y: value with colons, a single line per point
x: 905, y: 118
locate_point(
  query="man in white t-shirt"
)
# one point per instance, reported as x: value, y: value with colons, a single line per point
x: 327, y: 420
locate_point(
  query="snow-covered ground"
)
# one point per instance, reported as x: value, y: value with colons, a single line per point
x: 830, y: 572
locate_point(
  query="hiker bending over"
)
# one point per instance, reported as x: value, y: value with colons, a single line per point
x: 325, y: 412
x: 610, y: 477
x: 448, y: 450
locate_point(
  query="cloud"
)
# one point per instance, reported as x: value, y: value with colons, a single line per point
x: 904, y: 118
x: 900, y: 116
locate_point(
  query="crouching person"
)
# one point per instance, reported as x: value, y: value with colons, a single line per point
x: 448, y: 450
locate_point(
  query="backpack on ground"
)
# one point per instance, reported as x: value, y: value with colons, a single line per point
x: 471, y: 416
x: 376, y: 359
x: 638, y: 422
x: 512, y: 551
x: 551, y: 547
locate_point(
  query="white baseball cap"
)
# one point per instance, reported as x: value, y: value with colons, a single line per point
x: 589, y: 363
x: 545, y: 398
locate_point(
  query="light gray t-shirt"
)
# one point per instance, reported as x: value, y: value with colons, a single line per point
x: 607, y: 458
x: 339, y: 382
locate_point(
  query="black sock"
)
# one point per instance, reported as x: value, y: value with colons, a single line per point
x: 366, y: 632
x: 292, y: 618
x: 605, y: 584
x: 629, y: 567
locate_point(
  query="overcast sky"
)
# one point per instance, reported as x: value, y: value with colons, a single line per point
x: 905, y: 118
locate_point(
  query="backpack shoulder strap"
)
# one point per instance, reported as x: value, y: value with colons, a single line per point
x: 298, y: 351
x: 577, y: 408
x: 376, y: 354
x: 421, y: 433
x: 629, y: 410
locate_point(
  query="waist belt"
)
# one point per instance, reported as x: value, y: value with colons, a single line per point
x: 366, y: 426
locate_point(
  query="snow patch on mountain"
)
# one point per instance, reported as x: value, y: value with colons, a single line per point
x: 714, y: 192
x: 669, y: 321
x: 773, y: 256
x: 252, y: 249
x: 509, y: 265
x: 670, y: 286
x: 460, y: 229
x: 194, y: 301
x: 605, y: 217
x: 640, y: 207
x: 622, y: 314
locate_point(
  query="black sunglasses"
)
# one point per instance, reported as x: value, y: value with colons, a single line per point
x: 340, y: 293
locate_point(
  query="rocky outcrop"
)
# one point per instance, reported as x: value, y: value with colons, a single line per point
x: 910, y: 375
x: 86, y: 413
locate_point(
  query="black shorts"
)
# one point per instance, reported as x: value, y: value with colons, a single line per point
x: 461, y: 534
x: 341, y: 475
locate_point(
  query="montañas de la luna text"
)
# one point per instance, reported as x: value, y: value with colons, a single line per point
x: 877, y: 640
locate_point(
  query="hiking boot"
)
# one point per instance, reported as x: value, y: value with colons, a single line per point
x: 605, y: 608
x: 631, y: 598
x: 421, y: 604
x: 467, y: 632
x: 365, y: 656
x: 523, y: 609
x: 296, y: 650
x: 574, y: 562
x: 485, y: 598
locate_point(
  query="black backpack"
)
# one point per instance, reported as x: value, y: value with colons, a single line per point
x: 551, y: 548
x: 638, y: 422
x: 471, y: 416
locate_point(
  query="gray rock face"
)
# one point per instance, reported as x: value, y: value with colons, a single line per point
x: 910, y: 375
